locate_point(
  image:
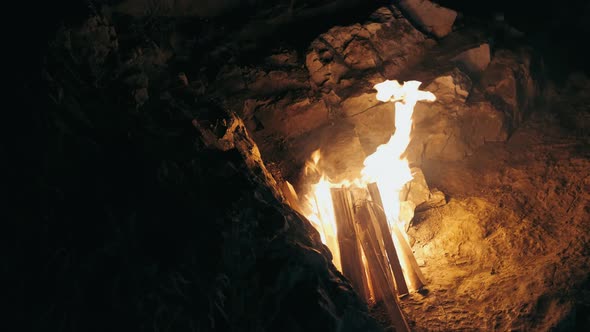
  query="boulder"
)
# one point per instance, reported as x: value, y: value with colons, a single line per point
x: 388, y: 43
x: 509, y: 85
x: 457, y: 123
x: 475, y: 60
x: 429, y: 16
x: 481, y: 122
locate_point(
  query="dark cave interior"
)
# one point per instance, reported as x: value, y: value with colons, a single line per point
x: 146, y: 193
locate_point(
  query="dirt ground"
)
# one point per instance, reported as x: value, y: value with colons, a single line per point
x: 511, y: 249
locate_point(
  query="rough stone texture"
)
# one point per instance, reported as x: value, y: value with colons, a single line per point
x: 452, y: 127
x: 474, y: 61
x: 388, y: 42
x: 290, y: 116
x: 416, y: 190
x: 508, y: 83
x: 430, y: 16
x: 159, y: 213
x: 510, y: 250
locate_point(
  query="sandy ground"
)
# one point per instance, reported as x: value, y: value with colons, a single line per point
x: 511, y: 249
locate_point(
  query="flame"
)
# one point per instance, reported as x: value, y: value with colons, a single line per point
x: 385, y: 166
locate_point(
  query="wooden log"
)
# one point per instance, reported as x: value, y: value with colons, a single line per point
x: 350, y: 254
x: 377, y: 266
x: 392, y: 255
x: 362, y: 194
x: 412, y: 271
x: 377, y: 237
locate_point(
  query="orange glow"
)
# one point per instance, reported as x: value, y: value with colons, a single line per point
x: 384, y: 167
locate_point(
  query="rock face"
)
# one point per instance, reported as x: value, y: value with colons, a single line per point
x: 452, y: 127
x: 474, y: 61
x: 430, y: 16
x: 387, y: 43
x: 508, y: 83
x: 480, y: 98
x: 516, y: 223
x: 159, y: 213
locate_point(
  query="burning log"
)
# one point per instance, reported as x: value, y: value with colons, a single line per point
x: 382, y: 285
x: 350, y: 254
x: 413, y: 272
x: 400, y: 282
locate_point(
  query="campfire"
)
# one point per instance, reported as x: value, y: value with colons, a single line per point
x: 363, y: 220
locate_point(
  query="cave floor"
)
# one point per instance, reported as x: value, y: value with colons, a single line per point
x: 511, y: 249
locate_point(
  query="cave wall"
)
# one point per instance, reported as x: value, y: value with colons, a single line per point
x: 144, y: 205
x: 127, y: 219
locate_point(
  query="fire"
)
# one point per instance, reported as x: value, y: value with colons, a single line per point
x: 385, y: 166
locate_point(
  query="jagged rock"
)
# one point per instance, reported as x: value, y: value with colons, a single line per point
x: 287, y: 58
x: 430, y: 16
x: 451, y: 87
x: 397, y: 42
x: 474, y: 61
x: 186, y: 218
x: 452, y: 127
x: 389, y: 42
x: 481, y: 122
x: 289, y: 117
x: 508, y: 83
x: 417, y: 189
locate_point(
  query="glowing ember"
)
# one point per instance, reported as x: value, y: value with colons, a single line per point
x: 385, y: 167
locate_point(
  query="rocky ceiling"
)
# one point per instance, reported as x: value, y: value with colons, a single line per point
x: 151, y: 141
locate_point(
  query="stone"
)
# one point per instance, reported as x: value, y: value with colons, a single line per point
x: 388, y: 41
x: 481, y: 122
x: 475, y: 60
x: 436, y: 133
x: 509, y: 85
x: 429, y: 16
x: 416, y: 190
x: 406, y: 214
x: 445, y: 146
x: 287, y: 58
x: 397, y: 42
x: 288, y: 117
x: 451, y: 87
x: 360, y: 55
x: 342, y: 154
x: 436, y: 199
x: 374, y: 121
